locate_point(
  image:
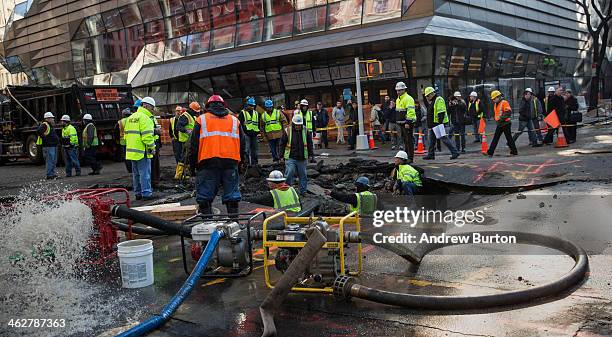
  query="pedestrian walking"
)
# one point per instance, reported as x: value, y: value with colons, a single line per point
x: 140, y: 148
x: 339, y: 117
x: 70, y: 144
x: 48, y: 141
x: 502, y: 111
x: 574, y: 116
x: 249, y: 120
x: 436, y: 117
x: 529, y: 108
x: 321, y: 122
x: 90, y: 145
x: 476, y: 112
x: 457, y: 110
x: 272, y: 124
x: 556, y: 103
x: 297, y: 142
x: 353, y: 120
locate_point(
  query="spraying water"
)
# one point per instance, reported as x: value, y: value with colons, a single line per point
x: 42, y: 276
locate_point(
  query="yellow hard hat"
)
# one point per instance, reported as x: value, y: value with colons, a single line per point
x: 495, y: 93
x: 429, y: 90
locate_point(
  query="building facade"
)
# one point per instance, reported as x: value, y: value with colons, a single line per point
x: 182, y: 50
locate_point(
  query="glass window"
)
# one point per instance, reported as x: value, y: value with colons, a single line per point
x: 442, y: 56
x: 172, y: 7
x: 112, y: 20
x: 492, y: 65
x: 110, y: 52
x: 89, y: 58
x: 422, y: 61
x: 21, y: 10
x: 274, y: 80
x: 223, y: 37
x: 344, y: 13
x: 82, y: 31
x: 154, y: 52
x: 475, y: 64
x: 303, y: 4
x: 227, y: 84
x: 406, y: 5
x: 253, y: 82
x: 249, y: 32
x: 223, y: 14
x: 134, y: 41
x: 194, y: 4
x: 176, y: 26
x: 178, y: 92
x: 154, y: 31
x: 119, y: 78
x: 95, y: 25
x: 149, y: 10
x: 457, y: 62
x: 249, y: 10
x: 507, y: 63
x: 130, y: 15
x: 279, y: 26
x: 202, y: 85
x: 376, y: 10
x: 198, y: 43
x: 276, y: 7
x: 519, y: 64
x: 175, y: 48
x: 310, y: 20
x: 159, y: 93
x: 78, y: 58
x: 198, y: 20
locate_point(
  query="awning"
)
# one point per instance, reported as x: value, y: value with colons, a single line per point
x: 431, y: 25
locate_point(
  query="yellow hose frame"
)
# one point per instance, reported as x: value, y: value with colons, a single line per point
x: 350, y: 219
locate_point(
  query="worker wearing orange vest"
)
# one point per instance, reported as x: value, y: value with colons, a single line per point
x: 217, y: 148
x: 502, y: 118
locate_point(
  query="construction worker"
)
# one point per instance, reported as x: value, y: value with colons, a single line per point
x: 281, y: 196
x: 527, y: 111
x: 184, y: 126
x: 555, y: 102
x: 217, y: 148
x: 306, y: 114
x: 436, y: 115
x: 406, y: 117
x: 176, y: 146
x: 136, y: 105
x: 476, y: 113
x: 48, y: 140
x: 90, y: 145
x: 363, y: 201
x: 549, y: 94
x: 298, y: 149
x: 140, y: 147
x: 407, y: 178
x: 70, y: 143
x: 249, y: 119
x: 502, y: 110
x: 272, y: 124
x: 121, y: 127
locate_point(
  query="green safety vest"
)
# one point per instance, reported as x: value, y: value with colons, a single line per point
x: 536, y: 102
x: 307, y: 118
x: 478, y: 112
x: 121, y: 123
x: 39, y: 140
x: 287, y: 200
x: 366, y: 203
x: 251, y: 120
x: 288, y: 146
x: 69, y: 131
x: 272, y: 123
x: 440, y: 106
x: 139, y: 135
x: 172, y: 135
x: 405, y: 103
x: 407, y: 173
x: 94, y: 141
x: 184, y: 136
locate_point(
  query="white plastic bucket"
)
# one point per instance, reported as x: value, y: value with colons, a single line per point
x: 316, y: 140
x: 136, y: 260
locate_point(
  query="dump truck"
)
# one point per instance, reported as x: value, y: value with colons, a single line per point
x: 22, y: 109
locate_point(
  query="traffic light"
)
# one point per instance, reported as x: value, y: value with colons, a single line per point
x: 373, y: 68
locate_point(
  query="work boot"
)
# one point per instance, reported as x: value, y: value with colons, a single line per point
x: 455, y: 156
x: 204, y: 207
x: 232, y: 209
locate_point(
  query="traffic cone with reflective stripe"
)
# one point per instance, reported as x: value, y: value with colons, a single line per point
x: 420, y: 151
x: 561, y: 142
x: 371, y: 141
x: 484, y: 146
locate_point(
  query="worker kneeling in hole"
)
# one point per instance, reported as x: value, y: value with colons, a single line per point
x: 217, y: 148
x: 281, y: 196
x: 363, y: 201
x: 407, y: 178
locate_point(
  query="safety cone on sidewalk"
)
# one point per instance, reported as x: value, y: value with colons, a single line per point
x: 420, y: 151
x: 484, y: 146
x: 371, y: 141
x: 561, y: 142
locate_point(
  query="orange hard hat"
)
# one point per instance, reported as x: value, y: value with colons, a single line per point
x: 195, y: 106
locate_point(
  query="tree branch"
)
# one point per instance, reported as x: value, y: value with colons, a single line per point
x: 596, y: 9
x: 587, y: 15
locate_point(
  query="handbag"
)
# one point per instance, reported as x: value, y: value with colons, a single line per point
x: 575, y: 117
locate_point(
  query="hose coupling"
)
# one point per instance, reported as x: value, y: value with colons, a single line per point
x: 342, y: 287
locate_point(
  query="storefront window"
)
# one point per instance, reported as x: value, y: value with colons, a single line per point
x: 253, y: 82
x: 377, y: 10
x: 344, y: 13
x: 130, y: 15
x: 150, y: 10
x: 154, y: 31
x: 176, y: 26
x: 135, y: 41
x: 249, y: 32
x: 457, y: 62
x: 249, y: 10
x: 274, y: 80
x: 223, y: 37
x: 422, y: 61
x: 222, y: 14
x: 198, y: 43
x: 95, y: 25
x: 194, y: 4
x: 310, y: 20
x: 112, y: 20
x: 198, y: 20
x: 175, y: 48
x: 172, y: 7
x: 278, y: 26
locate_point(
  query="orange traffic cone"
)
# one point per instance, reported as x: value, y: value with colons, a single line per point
x: 561, y: 142
x: 484, y: 146
x: 420, y: 151
x: 371, y: 141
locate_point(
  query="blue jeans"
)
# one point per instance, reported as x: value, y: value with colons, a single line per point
x: 50, y: 155
x: 141, y: 177
x: 476, y: 125
x: 274, y: 143
x: 209, y: 180
x: 252, y: 149
x: 292, y: 165
x: 409, y: 188
x: 71, y: 156
x: 432, y: 144
x: 529, y: 125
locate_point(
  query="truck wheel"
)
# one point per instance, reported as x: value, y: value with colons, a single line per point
x: 34, y: 151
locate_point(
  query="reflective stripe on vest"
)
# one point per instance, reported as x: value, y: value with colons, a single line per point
x: 184, y: 136
x: 407, y: 173
x: 121, y: 124
x: 287, y: 200
x: 219, y: 137
x: 251, y: 120
x: 47, y: 131
x: 94, y: 140
x: 366, y: 203
x: 439, y: 106
x: 139, y: 135
x: 477, y: 103
x: 172, y: 135
x: 405, y: 103
x: 70, y: 132
x: 272, y: 123
x: 502, y: 108
x: 288, y: 146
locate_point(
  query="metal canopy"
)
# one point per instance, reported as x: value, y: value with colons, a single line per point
x: 431, y: 25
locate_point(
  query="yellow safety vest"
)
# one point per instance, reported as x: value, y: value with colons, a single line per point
x: 272, y: 123
x: 184, y: 136
x: 69, y: 131
x: 287, y: 200
x: 478, y: 112
x: 94, y: 141
x: 306, y: 117
x: 172, y: 135
x: 405, y: 103
x: 251, y: 120
x: 366, y: 203
x: 39, y: 140
x: 440, y: 106
x: 139, y: 135
x: 288, y: 146
x: 121, y: 124
x: 407, y: 173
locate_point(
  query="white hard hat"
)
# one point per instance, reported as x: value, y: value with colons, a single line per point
x: 473, y: 94
x: 297, y: 119
x: 48, y: 115
x: 66, y: 118
x: 276, y: 176
x: 400, y: 86
x: 402, y: 155
x: 149, y: 100
x: 457, y: 94
x: 551, y: 89
x: 304, y: 102
x: 87, y: 117
x: 529, y: 90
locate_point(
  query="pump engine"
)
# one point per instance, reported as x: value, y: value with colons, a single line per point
x: 233, y: 250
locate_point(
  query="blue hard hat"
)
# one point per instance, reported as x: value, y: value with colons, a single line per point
x: 138, y: 103
x: 251, y: 101
x: 268, y: 103
x: 363, y: 181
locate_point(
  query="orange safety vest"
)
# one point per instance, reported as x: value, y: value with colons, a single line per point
x: 219, y: 137
x: 502, y: 108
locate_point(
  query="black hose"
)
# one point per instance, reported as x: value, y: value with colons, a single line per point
x: 136, y: 229
x: 348, y: 288
x: 306, y: 211
x: 166, y: 226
